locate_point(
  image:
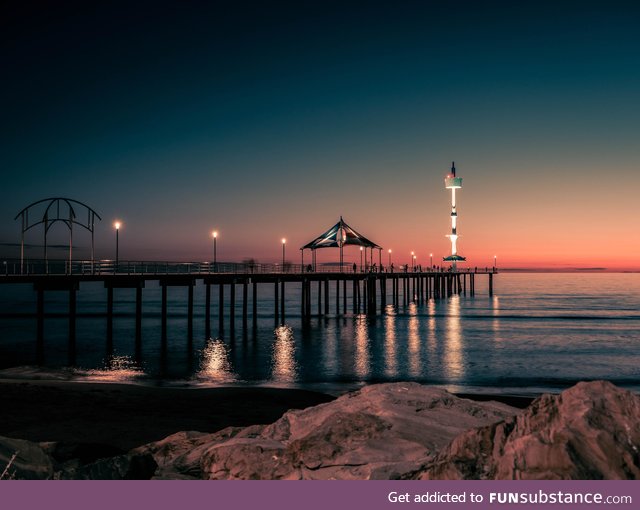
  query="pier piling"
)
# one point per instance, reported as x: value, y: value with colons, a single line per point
x: 40, y: 329
x: 416, y: 288
x: 276, y: 302
x: 254, y: 304
x: 207, y: 311
x: 72, y: 327
x: 163, y: 326
x: 109, y: 320
x: 139, y: 323
x: 221, y: 310
x: 190, y: 316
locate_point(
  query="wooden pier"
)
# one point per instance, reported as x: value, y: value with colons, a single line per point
x: 370, y: 293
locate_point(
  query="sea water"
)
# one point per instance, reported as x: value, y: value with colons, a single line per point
x: 537, y: 333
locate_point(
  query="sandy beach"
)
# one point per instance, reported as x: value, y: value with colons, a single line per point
x: 125, y: 415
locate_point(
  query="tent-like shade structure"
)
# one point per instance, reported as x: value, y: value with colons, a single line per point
x: 338, y: 236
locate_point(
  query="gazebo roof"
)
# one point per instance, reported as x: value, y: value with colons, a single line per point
x: 340, y: 232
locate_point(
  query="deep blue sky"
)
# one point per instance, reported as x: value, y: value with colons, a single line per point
x: 271, y: 119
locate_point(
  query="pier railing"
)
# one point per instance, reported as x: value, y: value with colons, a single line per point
x: 11, y: 267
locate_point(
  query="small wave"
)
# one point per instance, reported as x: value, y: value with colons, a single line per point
x: 116, y: 369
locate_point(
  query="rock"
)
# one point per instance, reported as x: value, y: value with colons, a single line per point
x: 381, y: 431
x: 178, y: 456
x: 82, y: 453
x: 50, y: 460
x: 32, y: 462
x: 133, y: 466
x: 590, y: 431
x: 384, y: 431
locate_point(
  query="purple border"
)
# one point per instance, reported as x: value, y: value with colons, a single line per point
x: 299, y: 495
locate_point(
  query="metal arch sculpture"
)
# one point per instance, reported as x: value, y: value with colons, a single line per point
x: 53, y: 214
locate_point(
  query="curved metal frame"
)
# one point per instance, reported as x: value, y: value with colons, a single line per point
x: 52, y: 215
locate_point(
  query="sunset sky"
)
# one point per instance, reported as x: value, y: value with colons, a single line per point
x: 265, y: 120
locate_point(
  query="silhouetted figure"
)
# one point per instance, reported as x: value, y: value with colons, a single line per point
x: 392, y: 267
x: 355, y: 268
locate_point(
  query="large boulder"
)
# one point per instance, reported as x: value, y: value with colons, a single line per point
x: 590, y: 431
x: 381, y: 431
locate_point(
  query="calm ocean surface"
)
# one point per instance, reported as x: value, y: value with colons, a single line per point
x: 539, y: 332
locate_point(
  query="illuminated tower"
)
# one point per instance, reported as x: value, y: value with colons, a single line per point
x: 453, y: 183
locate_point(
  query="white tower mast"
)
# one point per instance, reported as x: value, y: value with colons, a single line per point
x: 453, y: 183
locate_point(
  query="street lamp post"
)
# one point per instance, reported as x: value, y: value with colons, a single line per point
x: 361, y: 249
x: 117, y: 226
x: 414, y: 263
x: 430, y: 261
x: 413, y: 258
x: 389, y: 258
x: 284, y: 242
x: 495, y: 262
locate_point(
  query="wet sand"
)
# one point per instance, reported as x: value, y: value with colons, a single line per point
x: 125, y: 416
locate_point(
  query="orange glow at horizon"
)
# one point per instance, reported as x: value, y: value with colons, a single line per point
x: 530, y: 222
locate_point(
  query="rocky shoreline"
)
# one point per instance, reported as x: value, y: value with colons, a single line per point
x: 383, y: 431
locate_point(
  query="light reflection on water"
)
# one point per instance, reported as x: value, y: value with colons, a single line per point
x: 214, y: 363
x: 414, y: 343
x: 283, y: 361
x: 454, y: 354
x: 542, y: 331
x: 390, y: 355
x: 362, y: 361
x: 115, y: 369
x: 495, y: 324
